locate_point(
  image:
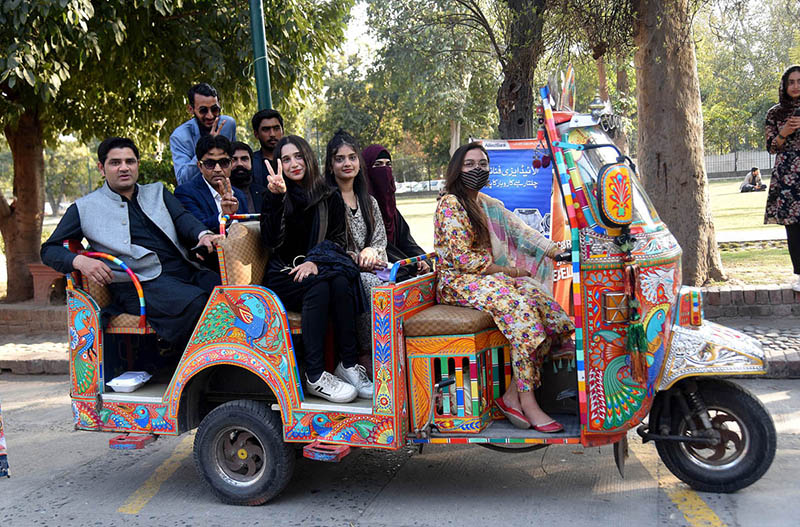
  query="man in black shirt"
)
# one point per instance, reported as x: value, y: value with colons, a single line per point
x: 242, y: 177
x: 146, y: 227
x: 268, y: 129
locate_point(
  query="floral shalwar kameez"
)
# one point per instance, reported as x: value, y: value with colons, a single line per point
x: 527, y: 316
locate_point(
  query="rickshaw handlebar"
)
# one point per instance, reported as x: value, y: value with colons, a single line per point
x: 431, y: 257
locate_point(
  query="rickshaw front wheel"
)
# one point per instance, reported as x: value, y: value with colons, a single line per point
x: 240, y: 452
x: 746, y: 446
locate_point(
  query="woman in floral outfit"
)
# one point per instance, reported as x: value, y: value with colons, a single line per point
x: 529, y: 318
x: 783, y: 140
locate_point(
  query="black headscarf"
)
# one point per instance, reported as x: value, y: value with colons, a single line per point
x: 786, y: 103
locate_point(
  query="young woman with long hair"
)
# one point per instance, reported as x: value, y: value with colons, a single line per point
x: 528, y: 317
x: 366, y: 235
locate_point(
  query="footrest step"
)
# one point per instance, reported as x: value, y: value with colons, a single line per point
x: 325, y: 452
x: 131, y: 441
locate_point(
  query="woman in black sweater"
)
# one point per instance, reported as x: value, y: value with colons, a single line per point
x: 303, y: 227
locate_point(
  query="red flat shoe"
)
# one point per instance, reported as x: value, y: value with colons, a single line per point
x: 515, y: 417
x: 550, y: 427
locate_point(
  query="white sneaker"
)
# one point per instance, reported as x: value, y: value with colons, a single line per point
x: 332, y: 388
x: 357, y: 376
x: 796, y: 285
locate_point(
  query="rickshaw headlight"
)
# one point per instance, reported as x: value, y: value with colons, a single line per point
x: 690, y: 307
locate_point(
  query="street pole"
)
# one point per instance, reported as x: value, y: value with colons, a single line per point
x: 260, y: 54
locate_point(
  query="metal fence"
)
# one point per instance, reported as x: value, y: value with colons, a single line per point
x: 737, y: 163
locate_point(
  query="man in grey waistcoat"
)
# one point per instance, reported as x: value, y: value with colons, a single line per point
x: 146, y: 227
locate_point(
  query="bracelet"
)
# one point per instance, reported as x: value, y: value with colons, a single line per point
x: 781, y: 136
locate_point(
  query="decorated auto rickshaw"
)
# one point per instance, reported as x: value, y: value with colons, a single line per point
x: 643, y: 359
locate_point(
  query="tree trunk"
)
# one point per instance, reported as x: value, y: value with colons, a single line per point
x: 515, y: 97
x: 602, y: 81
x: 623, y: 89
x: 671, y: 133
x: 455, y: 136
x: 21, y: 221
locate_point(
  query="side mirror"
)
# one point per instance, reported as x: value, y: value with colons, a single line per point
x: 615, y: 195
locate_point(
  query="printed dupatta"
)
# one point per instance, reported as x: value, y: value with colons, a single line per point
x: 516, y: 244
x: 3, y: 457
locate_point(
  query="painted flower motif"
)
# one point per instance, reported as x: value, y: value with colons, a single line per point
x: 472, y: 286
x: 504, y: 291
x: 508, y: 319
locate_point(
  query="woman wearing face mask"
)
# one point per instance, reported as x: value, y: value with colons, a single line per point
x: 783, y: 141
x: 303, y: 227
x: 400, y: 244
x: 469, y: 275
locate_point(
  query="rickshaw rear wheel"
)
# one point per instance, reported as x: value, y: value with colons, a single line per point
x: 240, y: 452
x: 747, y: 440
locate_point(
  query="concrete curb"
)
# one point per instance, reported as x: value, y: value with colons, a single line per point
x: 750, y: 301
x: 34, y: 364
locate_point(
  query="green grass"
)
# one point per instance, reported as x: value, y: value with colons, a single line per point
x: 733, y: 210
x: 757, y: 265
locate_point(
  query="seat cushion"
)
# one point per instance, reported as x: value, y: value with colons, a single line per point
x: 126, y: 323
x: 447, y: 320
x: 245, y: 255
x: 294, y: 321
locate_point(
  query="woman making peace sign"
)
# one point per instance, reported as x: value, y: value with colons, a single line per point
x: 303, y: 227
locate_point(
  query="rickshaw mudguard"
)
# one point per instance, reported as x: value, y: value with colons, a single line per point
x: 710, y: 349
x: 244, y: 326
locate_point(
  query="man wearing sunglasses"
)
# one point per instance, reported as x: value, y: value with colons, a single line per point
x: 209, y: 197
x: 205, y: 109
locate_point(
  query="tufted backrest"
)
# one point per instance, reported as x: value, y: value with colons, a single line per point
x: 100, y: 293
x: 245, y: 256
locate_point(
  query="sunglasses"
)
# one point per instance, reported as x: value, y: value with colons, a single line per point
x: 209, y: 164
x: 205, y: 109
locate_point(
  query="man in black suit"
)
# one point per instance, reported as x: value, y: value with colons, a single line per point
x: 242, y: 177
x: 210, y: 197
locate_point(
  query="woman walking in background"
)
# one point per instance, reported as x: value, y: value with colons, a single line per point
x: 783, y: 140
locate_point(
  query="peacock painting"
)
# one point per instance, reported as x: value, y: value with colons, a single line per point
x: 84, y: 356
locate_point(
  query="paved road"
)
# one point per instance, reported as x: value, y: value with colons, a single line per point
x: 62, y: 477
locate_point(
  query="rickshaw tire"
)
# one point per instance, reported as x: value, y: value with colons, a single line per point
x: 265, y: 424
x: 762, y: 437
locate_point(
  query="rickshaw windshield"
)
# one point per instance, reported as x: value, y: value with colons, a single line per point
x: 591, y: 161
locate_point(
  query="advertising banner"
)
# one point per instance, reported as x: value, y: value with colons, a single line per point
x: 522, y: 177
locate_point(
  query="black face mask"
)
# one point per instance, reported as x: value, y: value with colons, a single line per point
x: 475, y: 179
x: 241, y: 177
